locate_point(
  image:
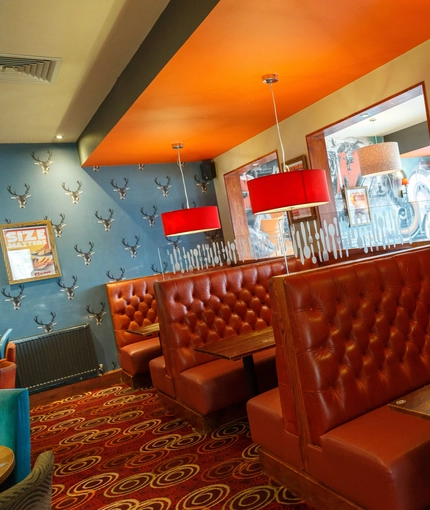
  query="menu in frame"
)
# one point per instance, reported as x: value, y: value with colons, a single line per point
x: 29, y: 251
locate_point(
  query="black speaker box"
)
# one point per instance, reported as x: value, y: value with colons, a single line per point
x: 208, y: 170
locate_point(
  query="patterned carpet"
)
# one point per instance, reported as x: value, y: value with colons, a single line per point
x: 118, y: 448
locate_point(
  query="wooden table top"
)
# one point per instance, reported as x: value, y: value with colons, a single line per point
x: 237, y: 347
x: 146, y: 330
x: 7, y: 462
x: 416, y: 403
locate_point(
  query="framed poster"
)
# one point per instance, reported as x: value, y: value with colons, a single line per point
x: 303, y: 214
x: 29, y: 251
x: 357, y: 204
x: 299, y: 163
x: 306, y: 213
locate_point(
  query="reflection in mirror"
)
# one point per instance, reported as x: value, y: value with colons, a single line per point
x: 398, y: 202
x: 260, y: 235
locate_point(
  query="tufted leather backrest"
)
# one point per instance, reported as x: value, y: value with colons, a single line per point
x: 197, y: 309
x: 351, y: 338
x: 132, y: 304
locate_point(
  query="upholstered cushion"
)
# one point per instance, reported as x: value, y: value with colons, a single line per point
x: 267, y: 427
x: 135, y: 357
x: 222, y: 383
x: 159, y: 377
x: 380, y: 460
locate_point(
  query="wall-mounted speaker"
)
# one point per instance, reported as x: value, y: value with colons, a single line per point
x: 208, y: 170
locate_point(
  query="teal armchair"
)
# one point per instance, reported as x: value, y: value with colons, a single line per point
x: 15, y: 431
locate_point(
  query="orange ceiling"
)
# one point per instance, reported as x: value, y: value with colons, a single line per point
x: 210, y: 95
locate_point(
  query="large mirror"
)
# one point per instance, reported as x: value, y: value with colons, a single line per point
x: 398, y: 203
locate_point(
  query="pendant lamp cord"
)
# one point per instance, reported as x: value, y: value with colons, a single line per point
x: 285, y: 167
x: 180, y: 165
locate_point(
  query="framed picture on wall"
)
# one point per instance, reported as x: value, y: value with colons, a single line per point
x: 357, y: 204
x: 306, y: 213
x: 299, y: 163
x: 29, y: 251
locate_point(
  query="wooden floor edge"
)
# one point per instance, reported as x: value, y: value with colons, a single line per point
x: 94, y: 383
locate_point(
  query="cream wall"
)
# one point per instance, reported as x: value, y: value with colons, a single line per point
x: 401, y: 73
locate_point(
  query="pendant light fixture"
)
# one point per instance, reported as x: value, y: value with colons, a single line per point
x: 287, y: 190
x: 379, y: 158
x: 189, y: 221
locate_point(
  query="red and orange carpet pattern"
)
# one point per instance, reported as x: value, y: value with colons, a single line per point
x: 118, y: 448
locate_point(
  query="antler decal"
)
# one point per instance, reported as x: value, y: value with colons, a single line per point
x: 44, y: 165
x: 21, y: 199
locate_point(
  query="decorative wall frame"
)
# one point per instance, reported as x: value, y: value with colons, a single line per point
x: 306, y: 213
x: 357, y: 205
x: 29, y: 251
x: 299, y: 163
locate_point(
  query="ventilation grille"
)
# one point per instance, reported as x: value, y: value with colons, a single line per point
x: 29, y: 69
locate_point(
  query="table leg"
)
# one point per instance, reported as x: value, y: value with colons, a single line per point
x: 251, y: 375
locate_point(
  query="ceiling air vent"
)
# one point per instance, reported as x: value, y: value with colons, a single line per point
x: 29, y: 68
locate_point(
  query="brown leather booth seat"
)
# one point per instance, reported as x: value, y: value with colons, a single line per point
x: 349, y: 339
x: 207, y: 307
x: 132, y: 304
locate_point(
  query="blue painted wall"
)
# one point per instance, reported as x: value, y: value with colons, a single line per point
x: 81, y: 227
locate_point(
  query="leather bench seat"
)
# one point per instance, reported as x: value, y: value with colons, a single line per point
x: 221, y: 383
x: 134, y: 358
x: 209, y: 307
x: 160, y: 379
x: 350, y: 339
x: 386, y: 451
x: 268, y: 429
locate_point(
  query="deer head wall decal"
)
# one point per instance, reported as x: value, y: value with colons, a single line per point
x: 70, y: 291
x: 212, y: 236
x: 44, y: 165
x: 174, y: 244
x: 121, y: 191
x: 97, y: 316
x: 203, y: 185
x: 47, y: 327
x: 150, y: 217
x: 21, y: 199
x: 58, y: 228
x: 156, y: 271
x: 74, y: 195
x: 164, y: 187
x: 131, y: 249
x: 15, y: 300
x: 85, y: 255
x: 106, y: 222
x: 113, y: 278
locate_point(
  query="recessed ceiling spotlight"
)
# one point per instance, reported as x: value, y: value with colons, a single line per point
x: 365, y: 114
x: 59, y: 137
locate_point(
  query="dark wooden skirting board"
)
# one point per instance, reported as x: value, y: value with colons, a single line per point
x: 203, y: 423
x: 102, y: 381
x: 137, y: 381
